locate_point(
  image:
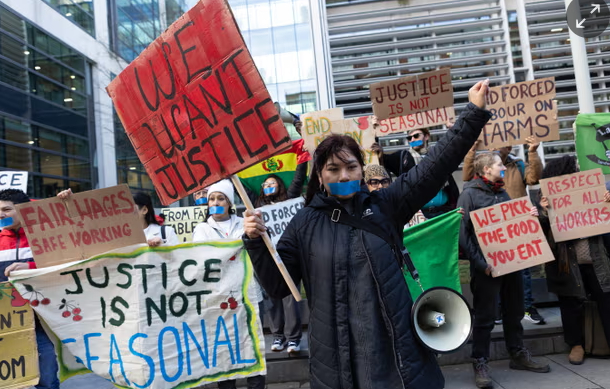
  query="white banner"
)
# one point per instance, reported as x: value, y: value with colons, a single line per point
x: 14, y: 180
x: 157, y: 318
x: 277, y: 216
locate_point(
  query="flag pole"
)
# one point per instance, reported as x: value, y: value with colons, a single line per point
x: 274, y: 254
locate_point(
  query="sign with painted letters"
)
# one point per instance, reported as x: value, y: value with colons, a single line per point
x: 184, y: 220
x: 415, y: 121
x: 320, y: 124
x: 155, y: 318
x: 14, y: 180
x: 18, y: 350
x: 576, y: 205
x: 277, y: 216
x: 84, y: 225
x: 194, y: 105
x: 412, y: 94
x: 509, y: 237
x: 519, y: 111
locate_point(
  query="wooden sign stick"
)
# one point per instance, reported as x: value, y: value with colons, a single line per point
x: 276, y: 257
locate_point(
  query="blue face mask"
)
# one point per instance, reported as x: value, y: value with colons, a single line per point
x: 217, y: 210
x: 7, y: 221
x: 416, y: 143
x: 344, y: 188
x: 201, y: 201
x: 269, y: 190
x: 502, y: 173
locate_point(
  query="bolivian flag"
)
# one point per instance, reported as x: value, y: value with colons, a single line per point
x: 282, y: 165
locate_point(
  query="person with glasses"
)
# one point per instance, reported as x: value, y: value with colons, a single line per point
x: 403, y: 161
x: 376, y: 177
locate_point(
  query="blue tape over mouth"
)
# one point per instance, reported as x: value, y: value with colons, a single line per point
x: 502, y: 173
x: 7, y: 221
x: 416, y: 143
x: 216, y: 210
x: 344, y: 188
x: 201, y: 201
x: 269, y: 190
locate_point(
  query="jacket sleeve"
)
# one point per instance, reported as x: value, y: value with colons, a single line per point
x: 201, y: 232
x: 296, y: 186
x: 468, y: 239
x: 533, y: 171
x: 392, y: 162
x: 32, y: 265
x: 453, y: 192
x: 266, y: 270
x: 468, y: 169
x: 412, y: 190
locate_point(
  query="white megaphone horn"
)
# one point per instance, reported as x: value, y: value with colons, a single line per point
x: 285, y: 115
x: 440, y: 316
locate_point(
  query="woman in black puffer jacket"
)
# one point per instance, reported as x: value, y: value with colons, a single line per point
x: 359, y: 328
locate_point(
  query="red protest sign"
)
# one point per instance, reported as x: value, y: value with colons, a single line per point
x: 576, y: 205
x: 194, y: 105
x: 87, y: 224
x: 509, y: 237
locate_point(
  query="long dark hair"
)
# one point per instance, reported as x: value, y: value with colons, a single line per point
x: 560, y: 166
x: 330, y: 147
x: 281, y: 195
x: 143, y: 200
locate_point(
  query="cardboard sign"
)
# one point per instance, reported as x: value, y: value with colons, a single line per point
x: 593, y: 141
x: 409, y: 95
x: 184, y: 220
x: 87, y: 224
x: 415, y: 121
x: 320, y: 124
x: 577, y: 206
x: 418, y: 218
x: 18, y: 349
x: 521, y: 110
x: 156, y: 318
x: 194, y: 105
x: 509, y: 237
x: 14, y: 180
x: 277, y: 216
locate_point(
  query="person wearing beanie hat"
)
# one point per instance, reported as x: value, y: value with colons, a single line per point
x: 376, y: 177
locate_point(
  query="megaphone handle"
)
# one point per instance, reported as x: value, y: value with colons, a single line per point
x: 411, y: 267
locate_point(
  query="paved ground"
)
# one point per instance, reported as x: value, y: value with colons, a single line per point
x: 593, y: 374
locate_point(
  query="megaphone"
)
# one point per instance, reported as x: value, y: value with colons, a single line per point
x: 441, y: 319
x: 285, y: 115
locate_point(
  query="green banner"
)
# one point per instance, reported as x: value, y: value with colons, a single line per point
x: 593, y: 141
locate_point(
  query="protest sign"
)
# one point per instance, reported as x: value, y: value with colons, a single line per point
x: 19, y: 353
x: 160, y: 318
x: 592, y: 141
x: 509, y: 237
x: 415, y: 121
x: 277, y: 216
x: 320, y: 124
x: 86, y: 224
x: 194, y: 105
x: 14, y: 180
x: 184, y: 220
x: 412, y: 94
x: 521, y: 110
x: 576, y: 205
x: 418, y: 218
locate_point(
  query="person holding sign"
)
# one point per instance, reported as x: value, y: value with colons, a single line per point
x: 581, y: 268
x: 343, y: 244
x: 15, y: 254
x: 156, y: 234
x: 484, y: 191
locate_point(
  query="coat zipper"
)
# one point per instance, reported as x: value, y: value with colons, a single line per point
x: 397, y: 356
x: 17, y: 247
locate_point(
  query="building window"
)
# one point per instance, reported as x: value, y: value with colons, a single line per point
x: 133, y: 25
x: 45, y: 109
x: 78, y: 11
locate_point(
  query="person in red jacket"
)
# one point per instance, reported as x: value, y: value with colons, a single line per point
x: 15, y: 254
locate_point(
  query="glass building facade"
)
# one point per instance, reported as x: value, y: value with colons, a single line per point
x: 133, y: 24
x: 46, y: 109
x: 80, y: 12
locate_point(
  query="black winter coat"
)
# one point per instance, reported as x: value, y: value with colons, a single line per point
x: 476, y: 195
x: 317, y: 251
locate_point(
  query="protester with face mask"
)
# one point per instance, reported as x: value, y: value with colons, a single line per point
x: 15, y: 254
x: 376, y: 177
x: 581, y: 267
x: 201, y: 197
x: 485, y: 190
x: 360, y: 326
x: 399, y: 162
x: 518, y: 176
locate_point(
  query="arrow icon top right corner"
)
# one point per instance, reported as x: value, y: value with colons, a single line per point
x: 596, y: 8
